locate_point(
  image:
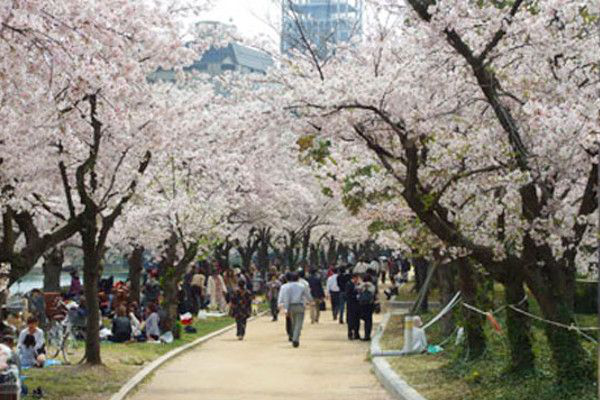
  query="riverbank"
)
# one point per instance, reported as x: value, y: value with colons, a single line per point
x: 121, y: 362
x: 35, y: 280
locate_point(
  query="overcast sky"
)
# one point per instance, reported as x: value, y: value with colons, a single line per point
x: 252, y: 17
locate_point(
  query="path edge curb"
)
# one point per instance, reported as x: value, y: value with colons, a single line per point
x: 138, y: 378
x: 390, y: 380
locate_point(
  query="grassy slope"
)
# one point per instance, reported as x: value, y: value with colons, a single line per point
x: 449, y: 376
x: 121, y: 362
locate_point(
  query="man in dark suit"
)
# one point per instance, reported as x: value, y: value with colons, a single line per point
x: 342, y: 280
x: 353, y: 314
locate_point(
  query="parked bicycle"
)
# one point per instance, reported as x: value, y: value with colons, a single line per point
x: 65, y: 328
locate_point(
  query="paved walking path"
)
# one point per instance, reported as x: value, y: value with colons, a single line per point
x: 265, y: 366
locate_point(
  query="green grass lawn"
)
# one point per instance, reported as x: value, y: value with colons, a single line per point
x: 121, y: 362
x: 449, y: 376
x: 406, y: 293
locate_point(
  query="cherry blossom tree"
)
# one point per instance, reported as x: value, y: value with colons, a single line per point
x: 483, y: 117
x: 82, y: 121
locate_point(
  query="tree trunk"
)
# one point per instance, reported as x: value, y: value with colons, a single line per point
x: 519, y: 327
x: 172, y: 273
x: 263, y: 250
x: 279, y: 259
x: 323, y: 258
x: 313, y: 257
x: 169, y: 279
x: 246, y: 257
x: 52, y: 267
x: 305, y: 244
x: 170, y: 300
x: 421, y: 270
x: 553, y: 288
x: 222, y: 251
x: 570, y: 359
x: 136, y: 266
x: 332, y: 251
x: 247, y: 251
x: 446, y: 278
x: 91, y: 276
x: 343, y: 253
x: 476, y: 343
x: 289, y: 252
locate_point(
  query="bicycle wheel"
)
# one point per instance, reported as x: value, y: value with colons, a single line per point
x: 54, y: 340
x: 68, y: 346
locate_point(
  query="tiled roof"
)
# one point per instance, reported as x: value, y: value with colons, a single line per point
x: 251, y: 58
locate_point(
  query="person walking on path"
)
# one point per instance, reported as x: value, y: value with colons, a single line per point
x: 240, y: 308
x: 231, y: 283
x: 301, y: 278
x: 361, y: 266
x: 342, y: 280
x: 333, y: 290
x: 286, y: 279
x: 353, y: 315
x: 216, y: 290
x: 273, y: 294
x: 293, y: 297
x: 317, y: 293
x: 197, y: 288
x: 366, y: 302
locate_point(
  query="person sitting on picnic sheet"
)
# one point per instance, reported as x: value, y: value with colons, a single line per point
x: 10, y: 383
x: 31, y: 345
x: 419, y: 342
x: 121, y: 326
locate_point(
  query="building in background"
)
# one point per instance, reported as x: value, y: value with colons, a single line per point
x: 322, y: 23
x: 218, y: 60
x: 233, y: 57
x: 215, y: 61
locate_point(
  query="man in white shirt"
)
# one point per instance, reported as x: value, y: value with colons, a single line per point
x: 301, y: 278
x: 293, y: 297
x: 375, y: 266
x: 333, y: 289
x: 360, y: 267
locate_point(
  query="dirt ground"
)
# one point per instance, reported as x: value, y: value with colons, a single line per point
x: 265, y: 366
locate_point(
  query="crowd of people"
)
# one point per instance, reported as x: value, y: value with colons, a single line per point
x: 204, y: 287
x: 351, y: 290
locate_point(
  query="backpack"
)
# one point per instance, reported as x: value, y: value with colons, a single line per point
x: 366, y: 297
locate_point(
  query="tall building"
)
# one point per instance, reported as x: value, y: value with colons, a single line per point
x: 322, y: 23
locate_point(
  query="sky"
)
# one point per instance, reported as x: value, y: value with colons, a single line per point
x: 252, y: 17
